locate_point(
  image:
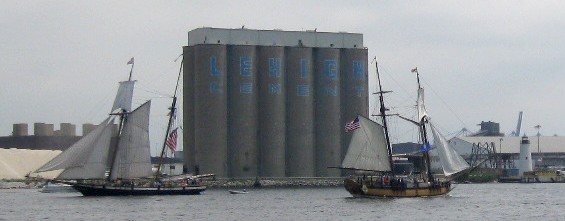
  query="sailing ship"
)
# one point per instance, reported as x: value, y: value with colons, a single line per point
x: 370, y: 155
x: 96, y: 166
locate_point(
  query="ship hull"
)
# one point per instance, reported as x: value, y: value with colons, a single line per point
x: 101, y: 190
x: 362, y: 190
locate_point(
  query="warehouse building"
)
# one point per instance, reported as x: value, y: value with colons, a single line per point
x: 503, y: 151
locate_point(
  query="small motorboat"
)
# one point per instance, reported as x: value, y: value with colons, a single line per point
x: 51, y: 187
x: 244, y: 191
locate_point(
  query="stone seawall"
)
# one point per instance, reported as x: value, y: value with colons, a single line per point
x: 20, y: 185
x: 220, y: 183
x: 275, y: 182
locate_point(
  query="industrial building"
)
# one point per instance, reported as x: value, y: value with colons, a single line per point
x: 547, y: 151
x: 21, y: 153
x: 270, y: 103
x: 503, y: 152
x: 44, y: 137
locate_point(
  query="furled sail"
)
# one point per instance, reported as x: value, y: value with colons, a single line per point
x: 133, y: 159
x: 420, y: 105
x: 86, y: 159
x: 450, y: 160
x: 124, y: 96
x: 367, y: 149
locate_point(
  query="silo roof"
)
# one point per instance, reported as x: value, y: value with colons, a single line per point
x: 274, y: 37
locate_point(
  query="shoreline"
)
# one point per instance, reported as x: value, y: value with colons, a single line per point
x: 285, y: 182
x: 7, y: 184
x: 219, y: 183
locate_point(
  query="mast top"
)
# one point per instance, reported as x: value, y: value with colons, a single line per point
x: 131, y: 61
x: 415, y: 70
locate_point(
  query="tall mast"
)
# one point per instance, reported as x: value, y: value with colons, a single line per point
x: 424, y: 136
x: 123, y: 118
x: 171, y: 116
x: 383, y: 110
x: 131, y: 70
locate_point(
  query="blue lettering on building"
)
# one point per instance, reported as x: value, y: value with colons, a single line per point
x: 275, y: 88
x: 246, y: 88
x: 358, y: 70
x: 330, y: 69
x: 275, y: 67
x: 359, y: 90
x: 215, y: 87
x: 303, y: 90
x: 245, y: 66
x: 330, y: 90
x: 303, y: 68
x: 214, y: 67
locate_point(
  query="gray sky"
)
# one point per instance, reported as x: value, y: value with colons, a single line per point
x: 479, y: 60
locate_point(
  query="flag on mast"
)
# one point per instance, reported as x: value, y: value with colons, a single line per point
x: 172, y: 140
x: 130, y: 61
x: 414, y: 70
x: 352, y: 125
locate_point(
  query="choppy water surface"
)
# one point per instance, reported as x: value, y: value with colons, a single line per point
x: 465, y: 202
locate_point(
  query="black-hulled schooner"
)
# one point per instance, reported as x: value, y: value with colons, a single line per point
x: 95, y: 166
x: 370, y: 155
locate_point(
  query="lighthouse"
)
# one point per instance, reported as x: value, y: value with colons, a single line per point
x: 525, y: 162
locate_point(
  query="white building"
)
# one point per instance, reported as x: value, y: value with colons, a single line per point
x: 547, y: 151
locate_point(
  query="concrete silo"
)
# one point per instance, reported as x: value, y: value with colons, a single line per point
x: 268, y: 102
x: 43, y: 129
x: 300, y: 135
x: 354, y: 81
x: 19, y: 130
x: 67, y: 129
x: 189, y: 150
x: 87, y: 128
x: 328, y: 111
x: 242, y: 114
x: 210, y: 109
x: 272, y: 105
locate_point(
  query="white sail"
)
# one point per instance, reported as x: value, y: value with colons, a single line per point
x: 124, y: 96
x: 450, y: 160
x: 133, y: 159
x: 86, y: 158
x: 96, y: 163
x: 367, y: 149
x: 420, y: 105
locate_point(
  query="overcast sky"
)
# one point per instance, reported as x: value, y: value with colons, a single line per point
x: 60, y: 61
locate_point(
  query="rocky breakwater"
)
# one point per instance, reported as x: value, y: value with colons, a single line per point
x: 10, y: 184
x: 275, y: 182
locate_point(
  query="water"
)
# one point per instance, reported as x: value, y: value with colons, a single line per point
x: 465, y: 202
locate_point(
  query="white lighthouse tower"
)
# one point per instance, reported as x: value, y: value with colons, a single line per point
x: 525, y: 162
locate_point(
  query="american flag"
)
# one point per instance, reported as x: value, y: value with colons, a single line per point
x: 352, y: 125
x: 172, y: 140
